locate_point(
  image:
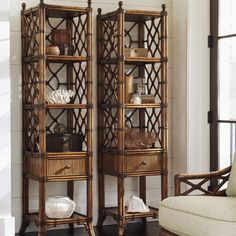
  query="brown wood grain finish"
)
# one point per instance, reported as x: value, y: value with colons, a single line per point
x: 40, y: 118
x: 66, y: 167
x: 116, y: 31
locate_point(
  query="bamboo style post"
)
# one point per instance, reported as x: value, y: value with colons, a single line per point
x: 90, y: 121
x: 101, y: 177
x: 164, y: 180
x: 121, y: 120
x: 42, y: 119
x: 25, y: 180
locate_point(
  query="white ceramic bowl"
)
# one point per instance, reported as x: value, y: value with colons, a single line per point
x: 59, y: 207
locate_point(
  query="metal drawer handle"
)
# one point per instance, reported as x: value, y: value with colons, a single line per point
x: 143, y: 163
x: 68, y: 166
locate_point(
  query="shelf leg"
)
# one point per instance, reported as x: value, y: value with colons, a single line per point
x: 42, y: 216
x: 42, y: 230
x: 24, y: 226
x: 142, y: 194
x: 90, y: 229
x: 70, y: 193
x: 101, y: 184
x: 121, y: 206
x: 25, y: 204
x: 121, y: 229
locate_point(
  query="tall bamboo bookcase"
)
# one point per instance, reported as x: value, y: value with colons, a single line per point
x: 116, y: 31
x: 42, y: 73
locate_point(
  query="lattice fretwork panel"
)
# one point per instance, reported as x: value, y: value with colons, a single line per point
x: 57, y: 79
x: 31, y: 34
x: 79, y: 83
x: 153, y: 81
x: 148, y: 119
x: 80, y: 124
x: 78, y: 26
x: 109, y: 126
x: 31, y: 83
x: 131, y: 35
x: 31, y: 130
x: 153, y: 123
x: 79, y: 35
x: 53, y: 24
x: 109, y: 43
x: 54, y: 117
x: 152, y: 38
x: 109, y: 84
x: 74, y: 120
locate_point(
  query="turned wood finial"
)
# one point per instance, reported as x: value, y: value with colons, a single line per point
x: 120, y: 4
x: 89, y: 3
x: 23, y: 6
x: 164, y: 7
x: 99, y: 11
x: 41, y: 1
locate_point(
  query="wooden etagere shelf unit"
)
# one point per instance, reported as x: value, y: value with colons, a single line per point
x: 117, y: 31
x: 42, y: 73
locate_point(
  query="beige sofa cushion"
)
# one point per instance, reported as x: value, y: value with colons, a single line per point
x: 199, y: 215
x: 231, y: 188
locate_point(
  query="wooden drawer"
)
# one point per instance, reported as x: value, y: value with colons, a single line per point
x: 66, y: 167
x: 143, y: 163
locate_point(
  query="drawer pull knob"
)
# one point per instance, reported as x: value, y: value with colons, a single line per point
x: 143, y: 163
x: 68, y: 166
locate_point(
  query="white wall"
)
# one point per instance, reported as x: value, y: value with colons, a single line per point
x: 191, y: 86
x: 198, y: 69
x: 6, y: 221
x: 153, y: 183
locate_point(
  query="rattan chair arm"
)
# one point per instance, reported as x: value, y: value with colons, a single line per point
x: 204, y: 177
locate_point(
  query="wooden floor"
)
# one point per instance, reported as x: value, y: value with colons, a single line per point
x: 133, y: 229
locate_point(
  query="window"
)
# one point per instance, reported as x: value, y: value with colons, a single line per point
x: 223, y: 83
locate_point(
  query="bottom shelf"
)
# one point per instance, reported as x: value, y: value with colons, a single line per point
x: 113, y: 211
x: 76, y: 218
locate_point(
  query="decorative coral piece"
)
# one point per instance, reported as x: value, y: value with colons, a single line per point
x: 60, y: 96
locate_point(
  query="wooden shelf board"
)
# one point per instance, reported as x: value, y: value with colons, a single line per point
x: 130, y: 105
x: 132, y: 151
x: 144, y: 150
x: 56, y: 11
x: 75, y: 218
x: 134, y: 60
x: 113, y: 211
x: 144, y: 105
x: 65, y: 59
x: 140, y: 15
x: 66, y: 106
x: 81, y: 154
x: 142, y: 60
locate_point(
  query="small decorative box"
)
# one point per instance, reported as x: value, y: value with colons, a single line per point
x: 136, y: 52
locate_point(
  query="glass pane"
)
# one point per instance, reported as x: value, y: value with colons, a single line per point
x: 227, y: 79
x: 227, y: 17
x: 227, y: 144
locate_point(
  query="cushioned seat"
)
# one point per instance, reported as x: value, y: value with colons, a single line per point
x: 199, y: 215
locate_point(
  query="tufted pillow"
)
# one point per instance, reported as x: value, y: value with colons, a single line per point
x: 231, y: 188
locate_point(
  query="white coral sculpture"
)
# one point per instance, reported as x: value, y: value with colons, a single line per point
x: 60, y: 96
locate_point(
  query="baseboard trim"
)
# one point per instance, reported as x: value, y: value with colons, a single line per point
x: 7, y: 226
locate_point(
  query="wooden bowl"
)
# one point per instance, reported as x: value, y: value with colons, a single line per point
x: 52, y: 50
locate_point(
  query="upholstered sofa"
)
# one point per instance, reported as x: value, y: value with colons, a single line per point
x: 211, y: 212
